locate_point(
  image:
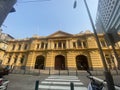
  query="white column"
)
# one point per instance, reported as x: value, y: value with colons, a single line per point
x: 49, y: 44
x: 52, y: 44
x: 76, y: 45
x: 82, y: 46
x: 39, y: 45
x: 70, y: 43
x: 44, y: 45
x: 62, y: 45
x: 57, y: 45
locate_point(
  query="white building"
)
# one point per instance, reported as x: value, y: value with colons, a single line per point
x: 108, y: 16
x: 6, y: 6
x: 108, y: 22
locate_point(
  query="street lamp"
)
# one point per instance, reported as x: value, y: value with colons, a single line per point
x: 108, y: 76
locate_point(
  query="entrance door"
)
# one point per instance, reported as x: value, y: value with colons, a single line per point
x: 59, y: 62
x: 39, y: 64
x: 81, y: 62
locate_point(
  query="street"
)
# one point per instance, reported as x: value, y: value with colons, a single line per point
x: 27, y: 82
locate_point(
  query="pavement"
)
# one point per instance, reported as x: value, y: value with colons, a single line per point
x: 23, y: 82
x: 26, y: 81
x: 46, y: 82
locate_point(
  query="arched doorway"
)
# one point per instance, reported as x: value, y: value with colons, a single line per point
x: 82, y: 62
x: 59, y: 62
x: 39, y: 64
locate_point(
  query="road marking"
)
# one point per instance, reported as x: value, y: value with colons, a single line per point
x: 60, y: 87
x: 62, y: 76
x: 61, y: 80
x: 62, y: 83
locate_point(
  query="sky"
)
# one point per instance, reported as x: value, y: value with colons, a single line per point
x: 47, y: 17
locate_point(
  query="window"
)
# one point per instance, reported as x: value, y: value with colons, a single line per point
x: 79, y: 44
x: 64, y: 45
x: 15, y: 59
x: 113, y: 2
x: 103, y: 44
x: 74, y: 46
x: 13, y: 47
x: 109, y: 61
x: 22, y: 59
x: 19, y: 47
x: 42, y: 45
x: 46, y: 45
x: 111, y: 7
x: 59, y: 45
x: 25, y: 46
x: 84, y: 44
x: 9, y: 59
x: 37, y: 46
x: 55, y: 45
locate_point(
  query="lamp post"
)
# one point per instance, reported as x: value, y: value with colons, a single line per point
x: 108, y: 76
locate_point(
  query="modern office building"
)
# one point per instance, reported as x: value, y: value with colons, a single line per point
x: 6, y: 6
x: 108, y: 22
x: 59, y: 50
x: 108, y: 16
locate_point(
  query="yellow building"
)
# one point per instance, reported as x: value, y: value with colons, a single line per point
x: 59, y: 50
x: 3, y: 44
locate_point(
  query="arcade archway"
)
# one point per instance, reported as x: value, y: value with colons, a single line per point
x: 39, y: 64
x: 59, y: 62
x: 82, y: 62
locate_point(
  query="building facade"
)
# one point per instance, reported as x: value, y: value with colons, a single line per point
x: 6, y: 6
x: 3, y: 44
x: 108, y: 14
x: 59, y: 50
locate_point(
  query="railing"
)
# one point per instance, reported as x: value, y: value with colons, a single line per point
x: 68, y: 72
x: 59, y: 72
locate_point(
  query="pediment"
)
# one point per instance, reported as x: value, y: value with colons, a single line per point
x: 60, y: 34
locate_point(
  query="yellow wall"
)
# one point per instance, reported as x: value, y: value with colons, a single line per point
x: 69, y: 52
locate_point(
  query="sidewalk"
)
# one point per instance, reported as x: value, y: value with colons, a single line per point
x: 97, y: 73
